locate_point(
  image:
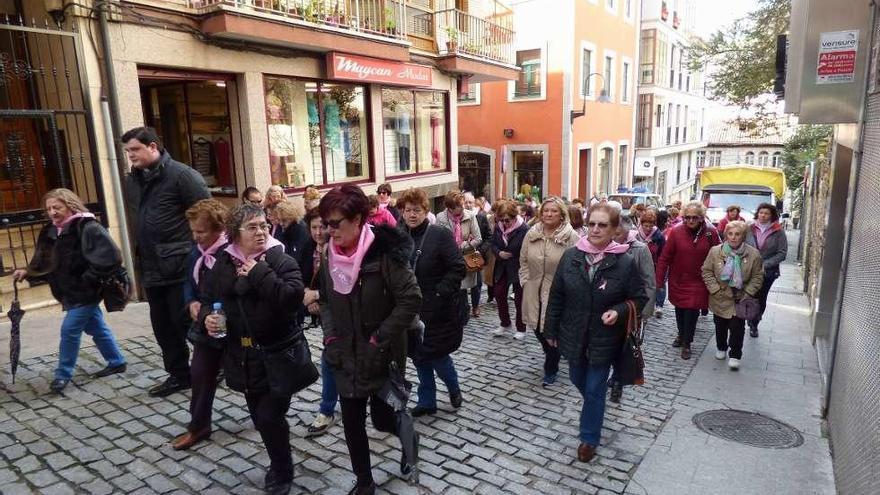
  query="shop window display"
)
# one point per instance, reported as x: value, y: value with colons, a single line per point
x: 317, y: 132
x: 528, y: 174
x: 415, y: 132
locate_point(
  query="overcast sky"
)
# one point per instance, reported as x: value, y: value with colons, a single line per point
x: 712, y: 15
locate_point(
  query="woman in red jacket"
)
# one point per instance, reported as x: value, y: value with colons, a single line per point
x: 682, y: 259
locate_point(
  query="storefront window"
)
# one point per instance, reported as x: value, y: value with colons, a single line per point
x: 317, y: 132
x: 528, y: 174
x: 414, y: 128
x: 192, y: 117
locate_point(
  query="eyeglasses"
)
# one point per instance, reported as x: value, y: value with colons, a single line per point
x: 601, y: 225
x: 691, y: 218
x: 254, y: 228
x: 332, y: 224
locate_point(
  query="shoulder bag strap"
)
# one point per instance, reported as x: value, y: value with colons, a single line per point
x: 419, y: 249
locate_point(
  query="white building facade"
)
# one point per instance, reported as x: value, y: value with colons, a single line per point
x: 672, y: 107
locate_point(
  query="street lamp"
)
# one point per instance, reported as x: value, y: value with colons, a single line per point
x: 603, y: 96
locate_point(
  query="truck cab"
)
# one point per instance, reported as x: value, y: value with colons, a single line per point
x: 746, y: 186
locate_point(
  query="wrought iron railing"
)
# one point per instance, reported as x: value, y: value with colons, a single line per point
x: 379, y: 17
x: 459, y: 31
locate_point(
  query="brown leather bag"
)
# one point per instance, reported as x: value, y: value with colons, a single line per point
x: 473, y: 260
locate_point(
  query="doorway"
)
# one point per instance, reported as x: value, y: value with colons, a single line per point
x: 585, y: 162
x: 474, y: 174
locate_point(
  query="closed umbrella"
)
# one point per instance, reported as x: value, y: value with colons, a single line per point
x: 15, y: 314
x: 395, y: 393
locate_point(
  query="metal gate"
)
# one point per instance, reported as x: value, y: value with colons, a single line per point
x: 46, y: 134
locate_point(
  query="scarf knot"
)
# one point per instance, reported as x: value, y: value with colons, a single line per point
x: 207, y: 258
x: 732, y: 271
x: 344, y: 270
x: 237, y: 256
x: 598, y: 254
x: 456, y: 226
x: 505, y: 232
x: 60, y: 226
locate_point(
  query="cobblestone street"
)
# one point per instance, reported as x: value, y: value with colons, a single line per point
x: 511, y: 436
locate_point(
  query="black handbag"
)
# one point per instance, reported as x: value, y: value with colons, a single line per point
x: 289, y: 366
x: 629, y: 367
x: 116, y: 290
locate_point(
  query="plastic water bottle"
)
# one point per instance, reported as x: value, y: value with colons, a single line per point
x: 218, y: 310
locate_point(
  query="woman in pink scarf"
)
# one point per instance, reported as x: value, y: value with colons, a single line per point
x: 368, y: 298
x: 587, y: 314
x: 379, y: 215
x: 506, y: 245
x: 767, y: 234
x: 207, y: 221
x: 465, y: 231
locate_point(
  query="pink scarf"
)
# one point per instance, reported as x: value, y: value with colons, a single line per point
x: 385, y: 204
x: 60, y: 226
x: 506, y: 232
x: 344, y: 269
x: 236, y: 253
x: 207, y: 258
x: 597, y: 254
x: 647, y: 237
x: 456, y: 226
x: 632, y: 236
x: 762, y: 233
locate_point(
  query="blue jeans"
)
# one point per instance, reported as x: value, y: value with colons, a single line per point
x: 591, y: 382
x: 445, y: 369
x: 660, y: 297
x: 88, y: 319
x: 329, y: 394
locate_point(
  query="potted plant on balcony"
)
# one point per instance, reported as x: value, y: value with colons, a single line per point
x: 451, y: 39
x: 337, y: 17
x: 390, y: 21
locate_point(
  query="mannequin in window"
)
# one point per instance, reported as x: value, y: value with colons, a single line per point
x: 403, y: 130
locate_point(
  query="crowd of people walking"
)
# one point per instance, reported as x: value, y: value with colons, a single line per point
x: 386, y: 280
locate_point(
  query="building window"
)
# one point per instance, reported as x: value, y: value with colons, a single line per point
x: 750, y: 158
x: 662, y: 59
x: 609, y: 76
x: 622, y: 165
x: 777, y: 159
x: 628, y: 8
x: 659, y: 115
x: 624, y: 85
x: 677, y: 121
x: 317, y: 132
x: 714, y: 158
x: 669, y: 125
x: 763, y: 159
x: 606, y: 162
x: 647, y: 56
x: 611, y: 6
x: 672, y: 66
x: 701, y: 159
x: 528, y: 173
x: 586, y: 70
x: 471, y: 96
x: 684, y: 132
x: 529, y: 83
x: 414, y: 131
x: 643, y: 137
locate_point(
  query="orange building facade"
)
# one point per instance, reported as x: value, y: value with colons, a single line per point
x: 566, y: 126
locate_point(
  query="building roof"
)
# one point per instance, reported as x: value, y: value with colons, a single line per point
x: 746, y: 133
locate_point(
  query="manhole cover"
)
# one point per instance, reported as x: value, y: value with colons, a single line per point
x: 748, y: 428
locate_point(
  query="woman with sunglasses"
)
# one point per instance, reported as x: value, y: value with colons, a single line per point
x: 261, y: 289
x: 587, y: 314
x: 368, y: 299
x: 506, y: 245
x: 681, y: 263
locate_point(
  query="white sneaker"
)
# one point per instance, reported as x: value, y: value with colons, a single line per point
x: 320, y: 426
x: 501, y: 330
x: 519, y: 335
x: 720, y: 354
x: 733, y: 363
x: 658, y: 313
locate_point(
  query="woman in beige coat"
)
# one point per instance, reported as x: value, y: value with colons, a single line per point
x: 732, y: 270
x: 463, y: 225
x: 541, y: 250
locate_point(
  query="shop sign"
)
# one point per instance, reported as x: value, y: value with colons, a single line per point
x: 346, y: 67
x: 837, y: 57
x: 644, y: 167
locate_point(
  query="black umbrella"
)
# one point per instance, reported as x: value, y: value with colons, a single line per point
x: 15, y: 314
x: 395, y: 393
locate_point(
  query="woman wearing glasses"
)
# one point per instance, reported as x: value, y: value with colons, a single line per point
x: 587, y: 314
x: 368, y: 298
x: 506, y: 245
x: 681, y: 262
x: 261, y: 290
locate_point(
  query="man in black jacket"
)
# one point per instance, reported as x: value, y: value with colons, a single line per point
x: 159, y: 190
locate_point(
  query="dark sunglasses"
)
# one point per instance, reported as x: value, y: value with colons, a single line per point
x: 601, y: 225
x: 689, y: 218
x: 383, y: 192
x: 332, y: 224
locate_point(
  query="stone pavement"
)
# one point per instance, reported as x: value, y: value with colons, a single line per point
x: 511, y: 436
x: 778, y: 378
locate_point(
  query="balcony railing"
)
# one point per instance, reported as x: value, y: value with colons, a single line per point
x: 461, y: 32
x: 378, y: 17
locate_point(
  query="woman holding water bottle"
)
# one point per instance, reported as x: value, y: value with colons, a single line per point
x: 261, y: 290
x: 207, y: 221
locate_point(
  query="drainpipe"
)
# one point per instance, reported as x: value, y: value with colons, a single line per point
x: 117, y: 190
x: 850, y: 214
x: 110, y: 88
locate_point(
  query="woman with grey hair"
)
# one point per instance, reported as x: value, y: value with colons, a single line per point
x: 260, y: 289
x: 541, y: 251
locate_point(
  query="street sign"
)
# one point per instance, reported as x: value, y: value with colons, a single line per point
x: 644, y: 167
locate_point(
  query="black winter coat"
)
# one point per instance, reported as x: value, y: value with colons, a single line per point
x: 485, y: 233
x: 193, y: 292
x: 514, y: 246
x: 439, y: 271
x: 270, y: 296
x: 294, y: 238
x: 382, y: 304
x: 576, y: 304
x: 74, y: 262
x: 158, y: 197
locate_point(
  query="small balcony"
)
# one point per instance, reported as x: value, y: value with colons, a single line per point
x: 466, y: 41
x: 365, y: 27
